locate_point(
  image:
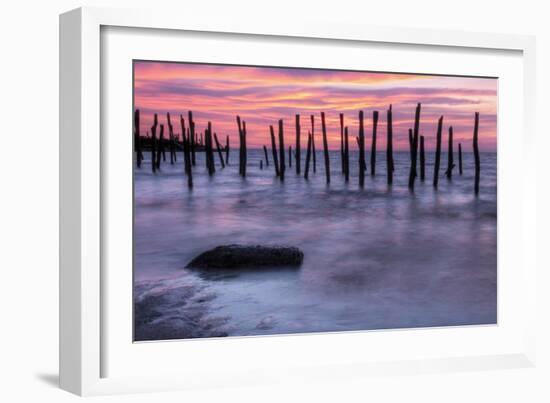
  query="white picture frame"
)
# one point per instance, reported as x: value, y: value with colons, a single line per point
x: 83, y: 295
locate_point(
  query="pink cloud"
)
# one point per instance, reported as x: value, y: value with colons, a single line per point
x: 262, y: 95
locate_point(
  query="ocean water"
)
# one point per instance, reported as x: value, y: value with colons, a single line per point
x: 375, y: 258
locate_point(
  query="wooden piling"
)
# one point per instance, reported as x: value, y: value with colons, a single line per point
x: 184, y: 138
x: 422, y: 160
x: 191, y: 124
x: 160, y: 147
x: 373, y: 145
x: 274, y: 150
x: 187, y: 153
x: 209, y: 150
x: 414, y: 154
x: 227, y: 150
x: 206, y: 153
x: 261, y: 164
x: 342, y: 142
x: 389, y: 146
x: 346, y: 154
x: 450, y: 160
x: 266, y: 158
x: 175, y: 143
x: 282, y: 151
x: 154, y: 144
x: 313, y: 143
x: 308, y: 156
x: 362, y: 163
x: 241, y: 146
x: 290, y: 156
x: 219, y: 149
x: 438, y: 152
x: 476, y: 153
x: 325, y: 146
x: 410, y: 144
x: 460, y: 158
x: 298, y: 145
x: 245, y: 153
x: 171, y: 138
x: 414, y: 146
x: 137, y: 139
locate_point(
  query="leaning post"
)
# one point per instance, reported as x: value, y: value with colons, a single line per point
x: 325, y: 145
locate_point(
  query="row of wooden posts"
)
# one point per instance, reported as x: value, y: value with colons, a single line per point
x: 416, y: 146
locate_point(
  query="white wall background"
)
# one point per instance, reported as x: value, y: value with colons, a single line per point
x: 29, y: 197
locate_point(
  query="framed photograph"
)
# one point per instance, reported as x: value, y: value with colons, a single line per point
x: 244, y: 202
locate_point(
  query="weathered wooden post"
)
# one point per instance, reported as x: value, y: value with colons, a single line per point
x: 187, y: 153
x: 189, y: 166
x: 313, y: 143
x: 192, y: 135
x: 245, y: 152
x: 241, y: 147
x: 206, y: 153
x: 389, y: 147
x: 362, y: 163
x: 274, y: 150
x: 290, y: 156
x: 416, y: 136
x: 411, y: 157
x: 450, y: 160
x: 373, y: 145
x: 460, y: 158
x: 414, y: 147
x: 160, y: 148
x: 422, y: 160
x: 308, y: 156
x: 210, y: 150
x: 170, y: 137
x: 266, y: 158
x: 218, y: 147
x: 342, y: 142
x: 325, y: 145
x: 298, y: 145
x: 261, y: 164
x: 282, y: 151
x: 175, y: 144
x: 438, y: 151
x: 414, y: 154
x: 182, y: 123
x: 154, y: 144
x: 476, y: 153
x: 346, y: 154
x: 410, y: 144
x: 227, y: 150
x: 163, y: 148
x: 137, y: 139
x: 173, y: 149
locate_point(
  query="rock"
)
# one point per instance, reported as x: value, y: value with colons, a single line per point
x: 247, y: 256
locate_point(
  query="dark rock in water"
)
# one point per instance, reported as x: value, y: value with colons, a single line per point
x: 247, y: 256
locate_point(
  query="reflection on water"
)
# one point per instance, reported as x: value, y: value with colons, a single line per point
x: 375, y: 258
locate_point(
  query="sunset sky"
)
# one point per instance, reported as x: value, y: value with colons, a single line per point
x: 263, y: 95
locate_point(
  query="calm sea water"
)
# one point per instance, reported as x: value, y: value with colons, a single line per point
x: 377, y: 258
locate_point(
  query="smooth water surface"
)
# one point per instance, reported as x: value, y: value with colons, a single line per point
x: 378, y: 258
